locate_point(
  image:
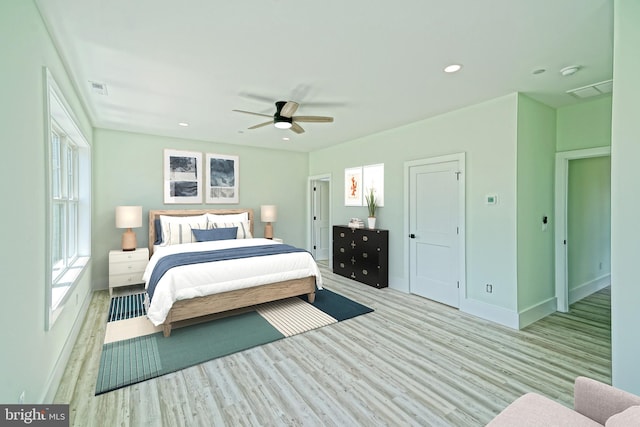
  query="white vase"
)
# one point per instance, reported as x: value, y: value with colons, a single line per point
x: 371, y: 222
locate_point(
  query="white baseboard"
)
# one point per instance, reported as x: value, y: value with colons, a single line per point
x: 537, y: 312
x: 500, y: 315
x: 56, y: 376
x: 588, y: 288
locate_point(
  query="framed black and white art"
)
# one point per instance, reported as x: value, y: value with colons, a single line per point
x: 182, y: 177
x: 222, y: 178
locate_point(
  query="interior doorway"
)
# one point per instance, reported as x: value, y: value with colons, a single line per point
x: 319, y: 223
x: 435, y: 211
x: 565, y: 296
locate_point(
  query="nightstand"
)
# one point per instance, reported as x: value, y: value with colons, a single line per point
x: 126, y: 267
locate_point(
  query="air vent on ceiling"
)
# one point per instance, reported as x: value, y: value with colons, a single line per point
x: 99, y: 88
x: 594, y: 89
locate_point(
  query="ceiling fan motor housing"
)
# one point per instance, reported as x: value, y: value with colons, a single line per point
x: 280, y: 121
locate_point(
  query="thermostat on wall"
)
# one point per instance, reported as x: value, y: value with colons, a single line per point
x: 491, y: 199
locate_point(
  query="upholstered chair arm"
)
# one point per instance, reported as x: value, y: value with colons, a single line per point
x: 600, y: 401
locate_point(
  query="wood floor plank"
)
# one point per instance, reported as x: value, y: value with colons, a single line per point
x: 410, y: 362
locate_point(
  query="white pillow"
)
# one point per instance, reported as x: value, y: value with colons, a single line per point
x: 177, y: 229
x: 213, y: 218
x: 244, y: 230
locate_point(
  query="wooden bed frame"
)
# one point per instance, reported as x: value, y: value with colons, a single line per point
x: 218, y: 303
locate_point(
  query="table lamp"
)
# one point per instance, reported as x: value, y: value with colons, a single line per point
x: 129, y: 217
x: 268, y: 214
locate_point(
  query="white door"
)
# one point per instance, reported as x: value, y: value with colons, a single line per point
x: 320, y: 220
x: 434, y: 231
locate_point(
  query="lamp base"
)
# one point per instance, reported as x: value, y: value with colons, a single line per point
x: 129, y: 240
x: 268, y: 231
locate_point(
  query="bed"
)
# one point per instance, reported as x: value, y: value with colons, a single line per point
x: 209, y: 287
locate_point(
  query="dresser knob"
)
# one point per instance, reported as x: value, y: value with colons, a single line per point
x: 365, y: 272
x: 365, y: 238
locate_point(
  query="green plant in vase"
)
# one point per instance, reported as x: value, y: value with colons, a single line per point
x: 372, y: 205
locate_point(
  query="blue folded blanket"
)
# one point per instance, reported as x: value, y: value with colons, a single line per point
x: 188, y: 258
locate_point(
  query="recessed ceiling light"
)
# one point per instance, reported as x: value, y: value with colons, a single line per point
x: 569, y: 71
x: 286, y: 138
x: 452, y: 68
x: 183, y: 124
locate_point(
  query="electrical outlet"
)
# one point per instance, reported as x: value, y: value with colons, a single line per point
x: 21, y: 397
x: 489, y: 288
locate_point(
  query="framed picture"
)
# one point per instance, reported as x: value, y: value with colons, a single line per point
x: 222, y: 179
x: 373, y: 178
x: 353, y: 186
x: 182, y: 176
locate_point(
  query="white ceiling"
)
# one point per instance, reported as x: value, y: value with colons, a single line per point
x: 372, y: 65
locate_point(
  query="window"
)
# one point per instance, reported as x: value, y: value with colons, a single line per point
x: 69, y: 193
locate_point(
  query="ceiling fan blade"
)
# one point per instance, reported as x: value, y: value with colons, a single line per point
x: 251, y: 112
x: 289, y: 109
x: 256, y: 97
x: 270, y: 122
x: 313, y: 119
x: 296, y: 128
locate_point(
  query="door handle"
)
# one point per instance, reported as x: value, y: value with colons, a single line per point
x: 413, y: 236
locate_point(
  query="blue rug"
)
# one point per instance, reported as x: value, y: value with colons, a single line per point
x: 133, y: 360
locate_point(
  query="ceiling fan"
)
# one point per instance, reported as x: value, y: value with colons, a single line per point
x: 284, y: 117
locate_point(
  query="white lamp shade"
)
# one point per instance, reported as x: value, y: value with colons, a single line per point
x: 268, y: 213
x: 128, y: 216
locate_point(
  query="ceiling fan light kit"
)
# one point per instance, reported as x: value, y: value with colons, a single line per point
x: 284, y: 117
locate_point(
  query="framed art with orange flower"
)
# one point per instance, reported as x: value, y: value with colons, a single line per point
x: 353, y: 186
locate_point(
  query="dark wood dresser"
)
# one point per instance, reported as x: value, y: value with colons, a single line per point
x: 361, y: 254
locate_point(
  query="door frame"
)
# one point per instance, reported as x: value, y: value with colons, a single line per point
x: 310, y: 181
x: 462, y: 270
x: 561, y: 208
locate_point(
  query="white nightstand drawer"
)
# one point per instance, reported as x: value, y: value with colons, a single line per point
x: 124, y: 279
x: 127, y: 267
x: 127, y: 256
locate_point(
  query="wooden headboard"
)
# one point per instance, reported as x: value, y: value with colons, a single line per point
x: 155, y: 214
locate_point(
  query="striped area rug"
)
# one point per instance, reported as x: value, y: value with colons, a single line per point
x: 126, y: 307
x: 134, y: 350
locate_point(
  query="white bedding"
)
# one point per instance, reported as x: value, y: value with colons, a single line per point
x: 208, y: 278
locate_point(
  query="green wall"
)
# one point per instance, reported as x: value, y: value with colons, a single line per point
x: 588, y: 221
x: 585, y: 125
x: 31, y: 358
x: 128, y: 170
x: 625, y: 203
x: 487, y: 134
x: 535, y: 175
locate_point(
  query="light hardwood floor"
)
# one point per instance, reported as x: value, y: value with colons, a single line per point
x: 411, y: 362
